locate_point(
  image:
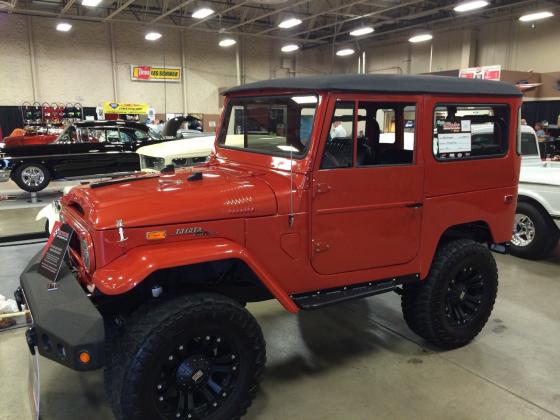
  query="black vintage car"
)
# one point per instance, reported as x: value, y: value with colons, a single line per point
x: 82, y: 150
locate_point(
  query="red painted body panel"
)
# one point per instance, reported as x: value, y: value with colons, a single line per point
x: 365, y: 215
x: 29, y: 140
x: 127, y: 271
x: 223, y: 193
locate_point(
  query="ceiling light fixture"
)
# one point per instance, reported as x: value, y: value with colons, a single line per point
x: 290, y: 48
x: 90, y: 3
x: 364, y: 30
x: 227, y: 42
x: 63, y: 27
x: 202, y: 13
x: 535, y: 16
x: 345, y: 51
x: 153, y: 36
x: 420, y: 38
x: 467, y: 6
x: 289, y: 23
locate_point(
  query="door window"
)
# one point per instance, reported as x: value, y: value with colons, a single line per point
x: 339, y: 150
x: 386, y: 134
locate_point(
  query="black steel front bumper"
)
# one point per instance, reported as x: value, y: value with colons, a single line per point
x: 65, y: 321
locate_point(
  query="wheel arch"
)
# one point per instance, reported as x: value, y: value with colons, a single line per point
x: 477, y: 230
x: 536, y: 201
x: 213, y: 265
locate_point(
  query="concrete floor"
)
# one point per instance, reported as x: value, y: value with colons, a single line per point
x: 359, y: 361
x: 18, y: 211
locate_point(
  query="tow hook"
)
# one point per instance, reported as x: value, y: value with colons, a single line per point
x: 18, y: 296
x: 31, y: 337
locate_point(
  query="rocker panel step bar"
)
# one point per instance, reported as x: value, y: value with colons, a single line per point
x: 321, y: 298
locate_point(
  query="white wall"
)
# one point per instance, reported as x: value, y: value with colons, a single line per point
x: 77, y: 66
x: 514, y: 45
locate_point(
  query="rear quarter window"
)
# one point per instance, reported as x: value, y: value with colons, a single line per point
x: 470, y: 131
x: 529, y: 145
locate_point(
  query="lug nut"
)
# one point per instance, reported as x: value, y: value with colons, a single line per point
x: 161, y: 398
x: 215, y: 404
x: 232, y: 356
x: 159, y: 386
x: 181, y: 347
x: 178, y: 415
x: 207, y: 337
x: 234, y: 368
x: 171, y: 357
x: 218, y: 340
x: 224, y: 394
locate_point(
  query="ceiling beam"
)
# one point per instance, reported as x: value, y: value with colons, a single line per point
x: 265, y: 15
x: 313, y: 16
x: 367, y: 15
x: 97, y: 19
x: 173, y: 10
x: 120, y: 9
x: 67, y: 7
x: 229, y: 9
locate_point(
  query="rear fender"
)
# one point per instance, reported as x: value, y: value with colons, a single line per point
x: 129, y: 270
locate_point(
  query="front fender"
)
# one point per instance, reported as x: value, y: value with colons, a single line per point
x: 129, y: 270
x: 542, y: 194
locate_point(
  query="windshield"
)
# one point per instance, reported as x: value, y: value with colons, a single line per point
x: 277, y: 125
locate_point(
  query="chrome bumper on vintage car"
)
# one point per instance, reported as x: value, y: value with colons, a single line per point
x: 5, y: 175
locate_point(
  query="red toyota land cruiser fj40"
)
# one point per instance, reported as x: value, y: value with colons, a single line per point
x: 319, y: 190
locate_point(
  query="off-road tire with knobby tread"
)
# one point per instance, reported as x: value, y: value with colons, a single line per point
x: 133, y: 346
x: 424, y: 305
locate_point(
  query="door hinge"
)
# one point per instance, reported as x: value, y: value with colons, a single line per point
x: 319, y: 247
x: 322, y: 187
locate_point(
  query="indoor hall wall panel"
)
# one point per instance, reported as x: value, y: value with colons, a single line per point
x: 15, y: 71
x: 208, y: 68
x: 72, y: 66
x: 261, y: 57
x: 132, y: 48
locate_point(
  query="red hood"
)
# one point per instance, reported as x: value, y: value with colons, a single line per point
x: 222, y: 193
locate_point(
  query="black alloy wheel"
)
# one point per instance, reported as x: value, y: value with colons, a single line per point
x: 464, y: 296
x: 197, y: 377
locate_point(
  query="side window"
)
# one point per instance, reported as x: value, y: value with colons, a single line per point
x: 465, y: 131
x: 529, y: 145
x: 126, y: 136
x: 386, y: 134
x: 339, y: 148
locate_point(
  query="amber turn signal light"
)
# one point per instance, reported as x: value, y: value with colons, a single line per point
x: 156, y: 234
x: 85, y: 358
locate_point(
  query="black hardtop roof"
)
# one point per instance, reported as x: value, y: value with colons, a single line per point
x: 112, y: 123
x: 385, y: 83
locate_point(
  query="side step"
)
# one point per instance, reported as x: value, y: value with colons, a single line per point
x: 321, y: 298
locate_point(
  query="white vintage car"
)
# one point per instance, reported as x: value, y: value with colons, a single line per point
x: 537, y: 221
x: 179, y: 153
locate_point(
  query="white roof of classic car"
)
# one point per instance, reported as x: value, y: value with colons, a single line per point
x: 186, y: 148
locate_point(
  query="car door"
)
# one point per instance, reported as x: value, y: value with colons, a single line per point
x: 368, y: 186
x: 92, y: 153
